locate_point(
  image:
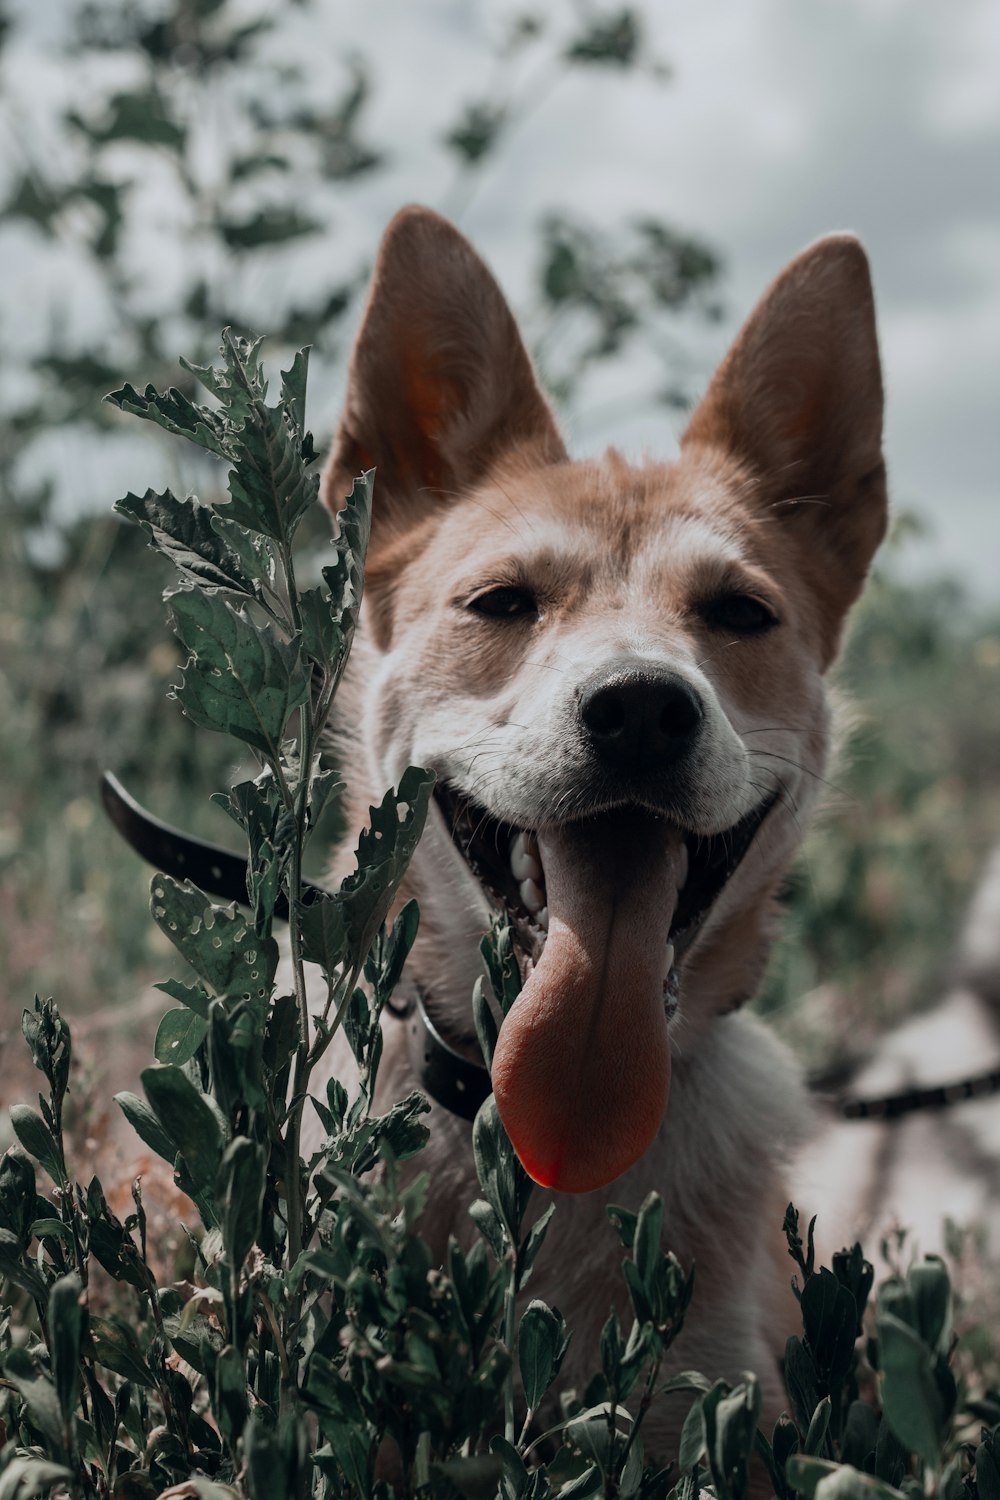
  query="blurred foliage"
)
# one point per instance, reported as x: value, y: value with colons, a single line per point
x: 909, y: 812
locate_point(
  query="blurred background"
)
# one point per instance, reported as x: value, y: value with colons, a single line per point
x: 635, y: 175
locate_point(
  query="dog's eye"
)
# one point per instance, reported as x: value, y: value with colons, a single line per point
x: 504, y: 603
x: 741, y: 613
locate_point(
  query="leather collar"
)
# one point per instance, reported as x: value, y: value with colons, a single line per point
x: 451, y: 1080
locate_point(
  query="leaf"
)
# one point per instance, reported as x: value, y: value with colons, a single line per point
x: 323, y: 931
x: 646, y: 1248
x: 503, y: 1180
x: 184, y: 531
x: 930, y: 1288
x: 194, y: 996
x: 117, y: 1348
x: 270, y: 485
x: 485, y: 1022
x: 38, y: 1140
x: 66, y: 1322
x: 383, y: 854
x: 146, y: 1125
x: 270, y: 226
x: 178, y: 1036
x: 239, y: 1191
x: 176, y: 414
x: 345, y: 577
x: 21, y: 1272
x: 532, y: 1245
x: 136, y: 116
x: 48, y: 1038
x: 910, y: 1397
x: 830, y: 1320
x: 39, y: 1396
x: 815, y: 1438
x: 614, y: 39
x: 18, y: 1195
x: 187, y: 1120
x: 240, y: 678
x: 541, y: 1343
x: 293, y: 391
x: 801, y: 1382
x: 818, y: 1476
x: 25, y: 1478
x: 217, y: 941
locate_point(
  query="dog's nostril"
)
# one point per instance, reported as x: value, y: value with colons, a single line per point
x: 681, y: 711
x: 603, y: 712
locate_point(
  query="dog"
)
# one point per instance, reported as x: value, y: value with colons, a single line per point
x: 617, y: 673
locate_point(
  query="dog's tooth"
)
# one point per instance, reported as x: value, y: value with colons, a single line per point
x: 668, y: 961
x: 542, y: 918
x: 524, y: 863
x: 532, y: 895
x: 682, y: 867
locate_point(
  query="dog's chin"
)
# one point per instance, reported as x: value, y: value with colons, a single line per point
x: 507, y: 861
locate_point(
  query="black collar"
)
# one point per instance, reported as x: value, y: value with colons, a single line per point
x: 451, y: 1080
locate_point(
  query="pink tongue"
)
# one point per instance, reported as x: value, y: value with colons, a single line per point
x: 582, y: 1066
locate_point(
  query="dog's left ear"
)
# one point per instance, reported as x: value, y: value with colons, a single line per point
x: 798, y: 402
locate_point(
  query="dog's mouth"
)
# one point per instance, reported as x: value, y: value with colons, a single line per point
x: 604, y: 909
x: 507, y: 861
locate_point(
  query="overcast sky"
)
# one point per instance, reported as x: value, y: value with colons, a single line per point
x: 781, y: 121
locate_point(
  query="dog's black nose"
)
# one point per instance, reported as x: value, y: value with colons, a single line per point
x: 638, y: 717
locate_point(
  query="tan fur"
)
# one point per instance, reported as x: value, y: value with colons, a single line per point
x: 779, y: 491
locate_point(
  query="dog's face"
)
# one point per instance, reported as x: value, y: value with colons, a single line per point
x: 616, y: 672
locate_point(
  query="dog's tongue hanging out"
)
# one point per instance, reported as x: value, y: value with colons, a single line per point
x: 582, y: 1066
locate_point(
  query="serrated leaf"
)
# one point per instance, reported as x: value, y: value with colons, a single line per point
x: 184, y: 531
x: 194, y: 996
x: 293, y: 391
x: 383, y: 854
x: 37, y: 1139
x: 270, y: 485
x: 323, y: 639
x: 176, y: 414
x: 240, y: 678
x: 178, y: 1036
x: 345, y: 577
x: 187, y: 1120
x: 217, y: 941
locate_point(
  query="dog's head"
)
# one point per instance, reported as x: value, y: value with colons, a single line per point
x: 615, y: 671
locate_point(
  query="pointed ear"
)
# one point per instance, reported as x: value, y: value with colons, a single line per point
x: 798, y: 403
x: 440, y: 386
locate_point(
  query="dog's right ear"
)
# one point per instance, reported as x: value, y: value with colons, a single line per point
x: 440, y: 387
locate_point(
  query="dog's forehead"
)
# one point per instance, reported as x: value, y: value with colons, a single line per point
x: 608, y: 516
